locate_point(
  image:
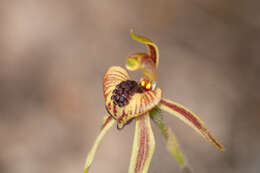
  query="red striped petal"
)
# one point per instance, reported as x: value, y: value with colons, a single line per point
x: 189, y: 118
x: 143, y: 146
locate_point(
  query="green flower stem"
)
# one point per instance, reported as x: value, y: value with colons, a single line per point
x: 171, y: 141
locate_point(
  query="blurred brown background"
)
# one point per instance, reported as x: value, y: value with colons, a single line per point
x: 53, y: 55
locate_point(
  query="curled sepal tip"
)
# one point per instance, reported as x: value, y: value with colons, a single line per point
x: 108, y: 122
x: 151, y: 46
x: 143, y: 146
x: 147, y: 63
x: 189, y: 118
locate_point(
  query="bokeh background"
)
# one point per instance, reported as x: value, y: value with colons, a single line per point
x: 54, y: 53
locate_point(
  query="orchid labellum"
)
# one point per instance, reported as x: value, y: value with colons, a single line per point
x: 126, y: 99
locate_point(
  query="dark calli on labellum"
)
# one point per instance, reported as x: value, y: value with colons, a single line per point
x: 123, y: 92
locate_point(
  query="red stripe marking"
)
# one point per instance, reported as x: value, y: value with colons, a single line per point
x: 146, y: 100
x: 213, y: 140
x: 130, y: 112
x: 114, y: 110
x: 122, y: 117
x: 110, y: 85
x: 151, y: 100
x: 141, y: 104
x: 110, y: 79
x: 117, y: 76
x: 106, y: 122
x: 113, y: 79
x: 106, y: 94
x: 136, y: 106
x: 143, y: 150
x: 183, y: 112
x: 147, y: 139
x: 152, y: 53
x: 109, y: 106
x: 123, y: 74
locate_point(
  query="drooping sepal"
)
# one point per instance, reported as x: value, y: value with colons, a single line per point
x: 108, y: 122
x: 137, y: 104
x: 143, y: 146
x: 189, y: 118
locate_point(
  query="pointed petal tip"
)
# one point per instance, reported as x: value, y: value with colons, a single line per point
x: 131, y: 31
x: 209, y: 136
x: 222, y: 148
x: 189, y: 118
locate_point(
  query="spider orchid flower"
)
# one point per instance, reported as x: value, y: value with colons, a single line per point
x: 126, y: 99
